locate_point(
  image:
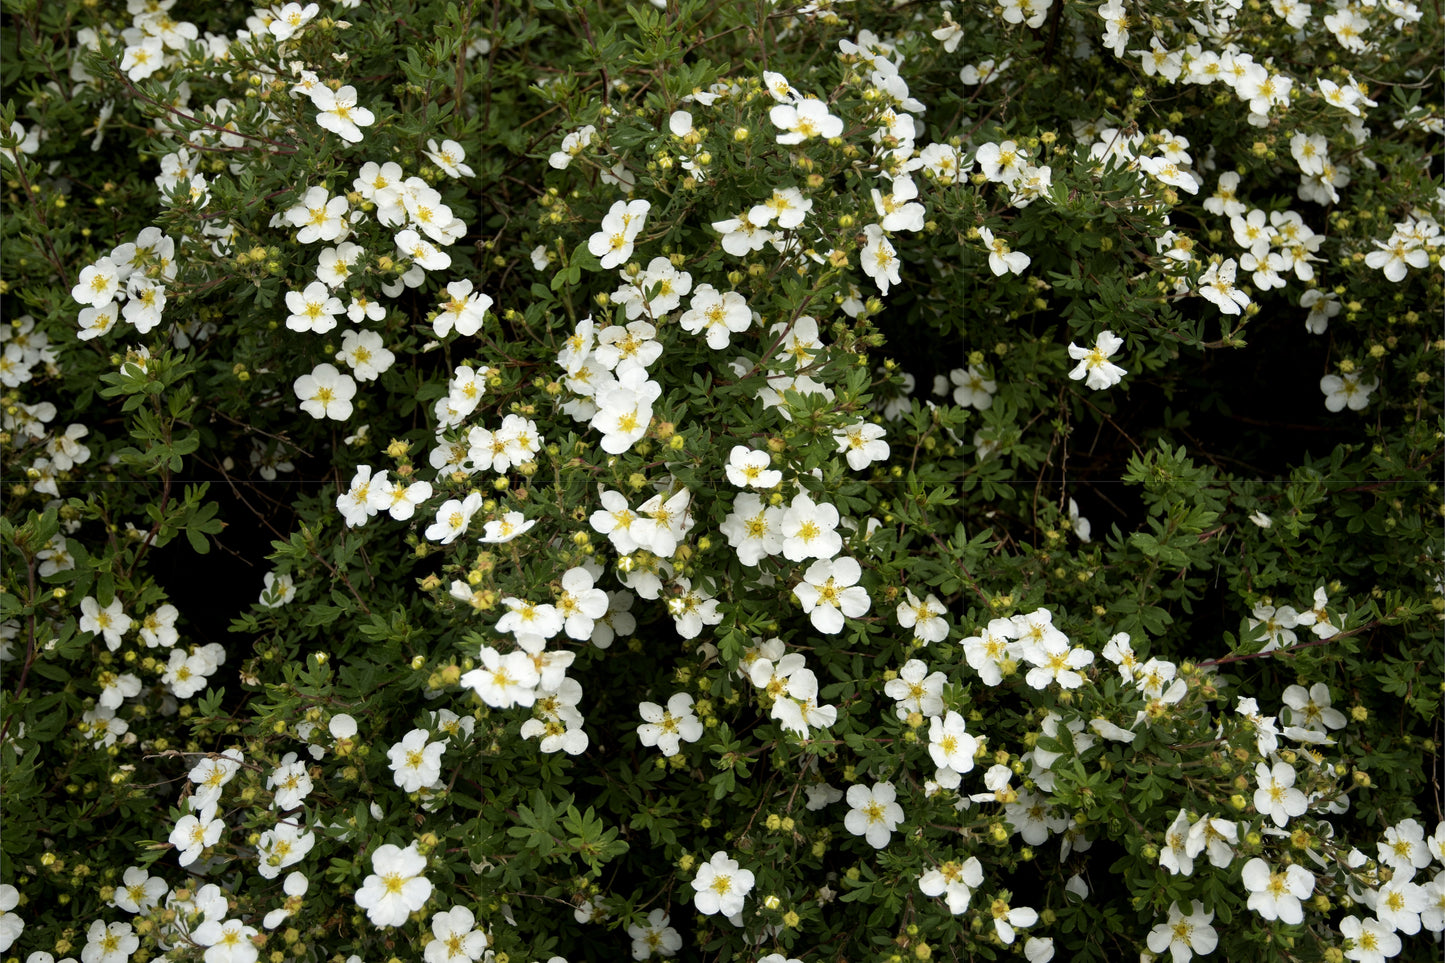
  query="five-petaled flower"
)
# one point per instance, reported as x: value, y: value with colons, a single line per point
x: 1182, y: 935
x: 1094, y: 367
x: 396, y: 887
x: 721, y: 886
x: 326, y: 392
x: 339, y: 113
x: 875, y: 813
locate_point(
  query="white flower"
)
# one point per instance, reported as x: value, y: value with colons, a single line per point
x: 1080, y: 524
x: 325, y: 392
x: 1094, y: 364
x: 159, y: 627
x: 276, y: 590
x: 809, y: 529
x: 453, y: 517
x: 319, y: 216
x: 863, y: 442
x: 1224, y: 200
x: 1322, y: 305
x: 788, y: 206
x: 415, y: 762
x: 449, y: 157
x: 1174, y: 855
x: 463, y: 310
x: 829, y: 591
x: 1404, y: 849
x: 530, y: 622
x: 291, y: 18
x: 1347, y: 391
x: 147, y: 301
x: 109, y: 942
x: 356, y: 503
x: 396, y: 888
x: 624, y: 408
x: 1372, y: 941
x: 740, y: 236
x: 875, y: 813
x: 506, y: 528
x: 185, y: 674
x: 991, y: 649
x: 143, y: 59
x: 139, y: 892
x: 212, y: 773
x: 365, y: 354
x: 572, y: 145
x: 721, y: 886
x: 457, y: 937
x: 878, y: 259
x: 671, y: 518
x: 291, y: 783
x: 361, y: 308
x: 635, y: 341
x: 313, y: 309
x: 1399, y: 903
x: 924, y: 618
x: 1054, y: 660
x: 915, y: 690
x: 667, y: 286
x: 423, y: 254
x: 580, y: 604
x: 29, y: 142
x: 796, y: 707
x: 612, y: 244
x: 950, y: 745
x: 972, y: 389
x: 657, y: 938
x: 285, y: 845
x: 667, y: 728
x: 692, y: 608
x: 897, y: 210
x: 753, y: 529
x: 1432, y: 917
x: 778, y: 87
x: 1216, y: 836
x: 1001, y: 258
x: 804, y: 121
x: 95, y: 322
x: 623, y: 527
x: 1312, y: 709
x: 503, y: 681
x: 953, y: 881
x: 1217, y: 285
x: 748, y: 468
x: 1005, y: 918
x: 1183, y: 936
x: 1039, y: 949
x: 195, y: 831
x: 110, y: 622
x: 1276, y: 796
x: 716, y: 315
x: 339, y: 113
x: 1002, y: 163
x: 1276, y: 895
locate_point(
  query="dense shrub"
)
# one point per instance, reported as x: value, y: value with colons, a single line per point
x: 846, y: 481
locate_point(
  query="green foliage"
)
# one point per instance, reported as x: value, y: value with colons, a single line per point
x: 462, y: 654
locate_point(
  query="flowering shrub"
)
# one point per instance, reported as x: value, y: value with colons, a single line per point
x: 739, y: 481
